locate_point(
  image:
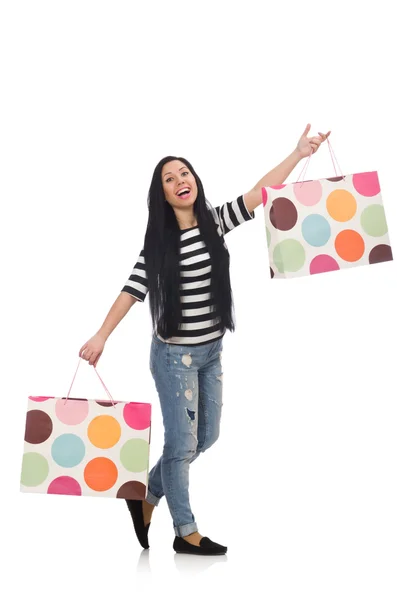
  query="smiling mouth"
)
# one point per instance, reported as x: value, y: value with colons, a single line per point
x: 185, y: 194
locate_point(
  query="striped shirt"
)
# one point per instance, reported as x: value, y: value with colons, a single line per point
x: 200, y: 323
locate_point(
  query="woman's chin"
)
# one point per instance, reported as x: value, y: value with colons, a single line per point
x: 184, y: 204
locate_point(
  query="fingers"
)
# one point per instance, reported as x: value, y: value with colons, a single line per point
x: 91, y: 353
x: 315, y: 143
x: 92, y: 358
x: 322, y: 138
x: 87, y: 355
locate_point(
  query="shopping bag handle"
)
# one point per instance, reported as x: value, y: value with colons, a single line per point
x: 332, y: 153
x: 106, y: 389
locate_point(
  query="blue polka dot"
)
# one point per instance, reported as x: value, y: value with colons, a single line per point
x: 316, y: 230
x: 68, y: 450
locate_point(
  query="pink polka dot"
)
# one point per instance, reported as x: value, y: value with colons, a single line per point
x: 278, y: 187
x: 64, y: 485
x: 71, y: 412
x: 367, y: 184
x: 309, y: 193
x: 322, y: 264
x: 40, y: 398
x: 137, y: 415
x: 264, y: 196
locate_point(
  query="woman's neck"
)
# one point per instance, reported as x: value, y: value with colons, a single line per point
x: 186, y: 219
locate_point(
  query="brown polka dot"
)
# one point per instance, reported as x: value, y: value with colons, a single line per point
x: 283, y: 214
x: 105, y: 403
x: 380, y: 253
x: 334, y: 178
x: 271, y: 273
x: 38, y: 427
x: 132, y: 490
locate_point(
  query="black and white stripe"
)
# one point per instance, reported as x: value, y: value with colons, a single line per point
x: 200, y: 320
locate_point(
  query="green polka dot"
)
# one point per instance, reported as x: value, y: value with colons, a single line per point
x: 373, y: 220
x: 268, y: 237
x: 34, y: 469
x: 289, y: 256
x: 134, y: 455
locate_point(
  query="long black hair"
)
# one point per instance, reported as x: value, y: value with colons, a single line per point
x: 161, y: 251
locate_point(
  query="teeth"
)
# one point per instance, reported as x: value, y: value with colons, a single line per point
x: 184, y: 190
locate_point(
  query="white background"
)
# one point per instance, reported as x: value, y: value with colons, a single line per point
x: 301, y: 485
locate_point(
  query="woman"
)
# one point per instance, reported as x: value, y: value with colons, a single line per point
x: 184, y: 265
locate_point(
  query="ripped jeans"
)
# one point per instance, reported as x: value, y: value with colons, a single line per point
x: 189, y: 383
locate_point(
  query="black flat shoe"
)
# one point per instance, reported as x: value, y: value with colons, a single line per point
x: 135, y: 508
x: 207, y: 547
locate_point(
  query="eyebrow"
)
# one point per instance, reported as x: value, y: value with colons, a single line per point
x: 169, y: 172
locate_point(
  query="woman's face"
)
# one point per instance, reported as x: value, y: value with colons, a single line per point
x: 176, y: 178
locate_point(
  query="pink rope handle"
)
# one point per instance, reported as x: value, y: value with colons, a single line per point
x: 74, y: 377
x: 331, y: 151
x: 305, y: 167
x: 332, y: 154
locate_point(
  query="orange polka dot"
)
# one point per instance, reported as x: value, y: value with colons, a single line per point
x: 341, y: 205
x: 104, y: 431
x: 349, y: 245
x: 100, y: 474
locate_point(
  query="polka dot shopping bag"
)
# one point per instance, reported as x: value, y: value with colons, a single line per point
x: 81, y: 447
x: 325, y: 225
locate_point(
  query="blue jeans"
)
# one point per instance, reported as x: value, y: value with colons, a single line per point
x: 189, y: 383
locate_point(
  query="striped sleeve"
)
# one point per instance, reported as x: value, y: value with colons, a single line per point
x: 232, y: 214
x: 136, y: 284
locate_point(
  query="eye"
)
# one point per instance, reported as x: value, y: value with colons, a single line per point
x: 167, y: 180
x: 185, y: 173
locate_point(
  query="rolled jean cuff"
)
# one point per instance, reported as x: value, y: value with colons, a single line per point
x: 184, y: 530
x: 151, y: 499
